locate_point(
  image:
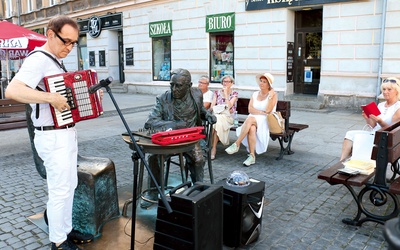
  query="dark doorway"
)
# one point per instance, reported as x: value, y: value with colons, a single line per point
x: 308, y: 41
x: 121, y: 57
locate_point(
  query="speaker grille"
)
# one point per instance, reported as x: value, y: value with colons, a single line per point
x: 243, y: 209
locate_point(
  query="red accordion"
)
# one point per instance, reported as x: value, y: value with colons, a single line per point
x: 75, y: 87
x: 178, y: 136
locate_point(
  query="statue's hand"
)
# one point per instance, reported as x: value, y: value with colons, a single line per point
x: 211, y: 118
x: 180, y: 124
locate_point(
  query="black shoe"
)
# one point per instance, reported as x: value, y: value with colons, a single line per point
x: 66, y: 245
x: 79, y: 238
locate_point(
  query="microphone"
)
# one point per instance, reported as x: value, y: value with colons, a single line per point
x: 102, y: 83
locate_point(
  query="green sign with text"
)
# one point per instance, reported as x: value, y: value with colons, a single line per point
x: 161, y: 28
x: 220, y: 22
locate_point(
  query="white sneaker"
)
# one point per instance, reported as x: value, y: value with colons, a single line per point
x: 250, y: 160
x: 232, y: 149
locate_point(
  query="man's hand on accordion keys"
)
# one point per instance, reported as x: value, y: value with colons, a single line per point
x: 59, y: 102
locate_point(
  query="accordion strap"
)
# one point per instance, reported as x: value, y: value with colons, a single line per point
x: 61, y: 65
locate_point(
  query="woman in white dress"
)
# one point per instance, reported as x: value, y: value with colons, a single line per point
x: 254, y: 133
x: 390, y: 113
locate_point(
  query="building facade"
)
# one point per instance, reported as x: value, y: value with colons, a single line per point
x: 334, y: 50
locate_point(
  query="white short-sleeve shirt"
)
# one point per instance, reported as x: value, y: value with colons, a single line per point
x: 32, y: 71
x: 208, y: 96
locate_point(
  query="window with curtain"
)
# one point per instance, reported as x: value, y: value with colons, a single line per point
x: 221, y: 55
x: 162, y: 58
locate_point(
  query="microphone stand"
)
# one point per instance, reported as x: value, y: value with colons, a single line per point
x: 137, y: 153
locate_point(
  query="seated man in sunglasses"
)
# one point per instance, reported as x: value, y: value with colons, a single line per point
x: 390, y: 113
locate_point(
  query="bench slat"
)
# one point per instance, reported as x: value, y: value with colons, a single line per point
x: 11, y: 106
x: 393, y: 136
x: 332, y: 176
x: 12, y: 119
x: 7, y: 126
x: 8, y: 102
x: 297, y: 127
x: 395, y: 186
x: 12, y: 109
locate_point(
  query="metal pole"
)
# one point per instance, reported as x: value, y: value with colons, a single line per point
x: 19, y: 12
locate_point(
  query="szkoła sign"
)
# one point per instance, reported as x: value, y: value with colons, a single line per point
x: 220, y: 22
x: 161, y: 28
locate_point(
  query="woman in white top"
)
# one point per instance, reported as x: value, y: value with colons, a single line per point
x: 390, y: 113
x: 208, y: 95
x: 254, y: 133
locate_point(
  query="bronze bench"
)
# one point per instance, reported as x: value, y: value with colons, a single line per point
x: 285, y: 139
x: 376, y: 191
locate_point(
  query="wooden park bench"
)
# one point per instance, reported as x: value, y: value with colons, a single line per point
x: 285, y: 139
x: 12, y: 114
x: 377, y: 199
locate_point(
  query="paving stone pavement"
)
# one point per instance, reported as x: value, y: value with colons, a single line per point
x: 301, y: 211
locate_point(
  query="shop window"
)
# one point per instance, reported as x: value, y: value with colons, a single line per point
x: 221, y: 58
x: 162, y: 58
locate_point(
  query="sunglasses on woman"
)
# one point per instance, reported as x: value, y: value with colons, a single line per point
x: 390, y: 80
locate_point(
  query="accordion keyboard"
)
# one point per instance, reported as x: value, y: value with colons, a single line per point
x: 56, y: 85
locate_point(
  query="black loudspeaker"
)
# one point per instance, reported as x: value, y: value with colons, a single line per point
x: 196, y: 220
x: 243, y: 209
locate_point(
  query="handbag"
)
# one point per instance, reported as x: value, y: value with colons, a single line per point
x: 220, y: 108
x: 362, y: 145
x: 276, y: 123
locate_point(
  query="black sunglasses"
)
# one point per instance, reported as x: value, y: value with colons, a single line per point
x: 390, y: 80
x: 65, y: 42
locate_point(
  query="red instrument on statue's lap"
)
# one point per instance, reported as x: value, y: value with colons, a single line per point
x: 178, y: 136
x: 75, y: 87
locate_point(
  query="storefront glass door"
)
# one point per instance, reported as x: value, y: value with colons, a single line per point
x: 121, y: 57
x: 308, y: 41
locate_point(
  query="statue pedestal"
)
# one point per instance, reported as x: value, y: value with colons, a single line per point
x: 96, y: 197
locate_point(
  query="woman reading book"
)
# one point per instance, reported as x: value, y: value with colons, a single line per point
x: 389, y: 109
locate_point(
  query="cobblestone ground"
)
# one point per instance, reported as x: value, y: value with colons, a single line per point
x: 301, y: 211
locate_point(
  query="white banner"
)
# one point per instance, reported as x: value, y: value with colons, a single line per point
x: 13, y: 54
x: 14, y: 43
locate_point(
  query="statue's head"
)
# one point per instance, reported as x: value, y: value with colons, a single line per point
x: 181, y: 82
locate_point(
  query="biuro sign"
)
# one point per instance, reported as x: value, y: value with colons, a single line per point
x: 220, y: 22
x: 14, y: 43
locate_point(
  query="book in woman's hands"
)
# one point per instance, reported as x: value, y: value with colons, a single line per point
x: 371, y: 109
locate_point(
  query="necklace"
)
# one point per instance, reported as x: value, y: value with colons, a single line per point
x: 263, y: 95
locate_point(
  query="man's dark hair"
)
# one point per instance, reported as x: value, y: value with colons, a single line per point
x: 183, y: 73
x: 56, y: 23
